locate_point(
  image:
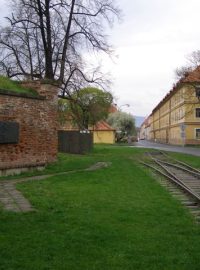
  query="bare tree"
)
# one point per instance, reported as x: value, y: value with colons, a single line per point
x: 182, y: 72
x: 46, y: 39
x: 193, y: 61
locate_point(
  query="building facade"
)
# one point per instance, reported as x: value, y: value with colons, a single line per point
x: 102, y: 132
x: 145, y: 129
x: 176, y: 119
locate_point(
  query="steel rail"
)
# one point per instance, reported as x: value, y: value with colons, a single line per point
x: 175, y: 177
x: 181, y: 162
x: 175, y: 180
x: 191, y: 171
x: 178, y: 167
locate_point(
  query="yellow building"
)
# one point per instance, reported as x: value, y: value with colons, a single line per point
x: 103, y: 133
x: 176, y: 119
x: 145, y: 129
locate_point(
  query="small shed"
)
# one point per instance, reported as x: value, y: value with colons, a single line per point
x: 103, y: 133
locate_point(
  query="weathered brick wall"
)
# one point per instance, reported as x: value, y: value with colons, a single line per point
x: 37, y: 118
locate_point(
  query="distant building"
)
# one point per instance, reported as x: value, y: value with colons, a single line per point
x: 102, y: 131
x: 176, y: 119
x: 145, y: 129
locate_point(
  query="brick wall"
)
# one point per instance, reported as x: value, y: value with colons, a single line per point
x: 37, y: 118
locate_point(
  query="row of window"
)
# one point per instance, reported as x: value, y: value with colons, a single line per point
x: 178, y: 115
x: 176, y: 135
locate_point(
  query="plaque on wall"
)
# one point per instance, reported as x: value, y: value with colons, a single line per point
x: 9, y: 132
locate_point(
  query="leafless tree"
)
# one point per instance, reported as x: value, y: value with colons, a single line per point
x: 182, y: 72
x: 46, y: 39
x: 194, y: 58
x: 193, y: 61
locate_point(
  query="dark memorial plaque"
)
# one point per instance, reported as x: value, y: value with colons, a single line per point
x: 9, y: 132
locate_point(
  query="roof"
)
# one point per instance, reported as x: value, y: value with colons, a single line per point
x: 103, y: 126
x: 190, y: 77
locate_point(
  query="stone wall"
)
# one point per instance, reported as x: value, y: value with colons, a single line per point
x: 37, y: 119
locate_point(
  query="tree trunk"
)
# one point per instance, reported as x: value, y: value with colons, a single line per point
x: 64, y: 52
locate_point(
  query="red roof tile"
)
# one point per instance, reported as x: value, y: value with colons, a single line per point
x: 102, y: 125
x: 193, y: 76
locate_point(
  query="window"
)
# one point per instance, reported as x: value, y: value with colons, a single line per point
x: 197, y: 91
x: 197, y: 112
x: 198, y: 133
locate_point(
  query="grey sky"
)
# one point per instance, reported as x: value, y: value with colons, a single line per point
x: 3, y: 9
x: 153, y: 39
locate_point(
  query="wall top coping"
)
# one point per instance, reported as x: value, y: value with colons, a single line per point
x: 22, y: 95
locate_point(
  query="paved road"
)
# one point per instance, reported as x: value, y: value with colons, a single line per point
x: 181, y: 149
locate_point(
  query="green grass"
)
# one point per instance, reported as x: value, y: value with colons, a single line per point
x: 189, y: 159
x: 14, y: 86
x: 65, y: 163
x: 116, y: 218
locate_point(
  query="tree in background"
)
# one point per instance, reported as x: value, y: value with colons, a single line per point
x: 124, y: 124
x: 46, y: 39
x: 86, y: 108
x: 193, y: 61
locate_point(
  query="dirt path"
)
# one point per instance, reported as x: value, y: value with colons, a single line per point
x: 13, y: 200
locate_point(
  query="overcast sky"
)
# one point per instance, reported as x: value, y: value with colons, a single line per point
x: 151, y: 42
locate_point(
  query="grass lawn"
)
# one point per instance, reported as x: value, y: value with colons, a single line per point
x: 116, y: 218
x: 65, y: 163
x: 14, y: 86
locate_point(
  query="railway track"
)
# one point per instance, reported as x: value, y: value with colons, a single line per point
x: 182, y: 180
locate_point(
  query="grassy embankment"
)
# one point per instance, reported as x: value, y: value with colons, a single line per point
x: 14, y: 86
x: 116, y: 218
